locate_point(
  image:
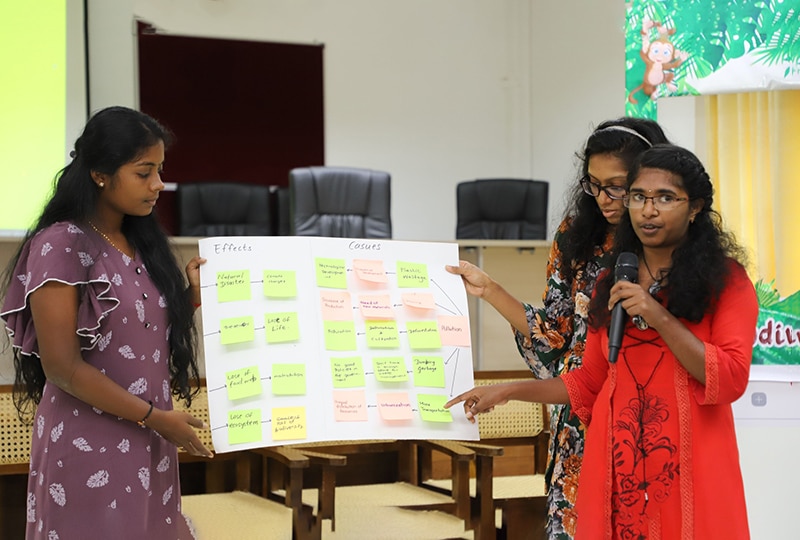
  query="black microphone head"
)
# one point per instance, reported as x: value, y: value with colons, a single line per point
x: 627, y: 267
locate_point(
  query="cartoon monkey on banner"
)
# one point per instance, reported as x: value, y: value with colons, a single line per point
x: 660, y: 57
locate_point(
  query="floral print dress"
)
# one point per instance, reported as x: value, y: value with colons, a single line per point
x: 93, y: 475
x: 555, y: 346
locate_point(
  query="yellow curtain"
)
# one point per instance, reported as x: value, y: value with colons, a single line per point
x: 753, y: 157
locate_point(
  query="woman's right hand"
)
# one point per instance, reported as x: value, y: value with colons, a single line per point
x: 178, y: 428
x: 475, y: 280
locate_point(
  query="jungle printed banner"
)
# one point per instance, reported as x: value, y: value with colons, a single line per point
x: 778, y: 332
x: 695, y: 47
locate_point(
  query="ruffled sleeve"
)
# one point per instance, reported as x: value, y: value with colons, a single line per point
x: 62, y: 253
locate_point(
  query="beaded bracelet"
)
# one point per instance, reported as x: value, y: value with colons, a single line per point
x: 143, y: 420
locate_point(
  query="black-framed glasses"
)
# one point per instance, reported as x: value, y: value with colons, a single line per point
x: 592, y: 188
x: 665, y: 201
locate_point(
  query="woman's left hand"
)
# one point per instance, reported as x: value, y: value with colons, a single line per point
x: 193, y: 276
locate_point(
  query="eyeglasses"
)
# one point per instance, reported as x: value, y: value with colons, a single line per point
x: 594, y: 189
x: 660, y: 202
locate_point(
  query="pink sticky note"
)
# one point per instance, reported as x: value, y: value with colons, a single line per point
x: 336, y: 306
x: 419, y: 300
x: 369, y: 270
x: 395, y: 406
x: 349, y: 406
x: 454, y: 331
x: 376, y: 306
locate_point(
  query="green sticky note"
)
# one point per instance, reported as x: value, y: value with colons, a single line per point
x: 347, y: 372
x: 431, y: 408
x: 382, y: 335
x: 233, y: 285
x: 423, y: 335
x: 280, y: 283
x: 244, y: 426
x: 339, y: 335
x: 288, y: 379
x: 428, y: 371
x: 281, y: 327
x: 390, y: 369
x: 331, y: 273
x: 412, y: 275
x: 237, y: 330
x: 242, y: 383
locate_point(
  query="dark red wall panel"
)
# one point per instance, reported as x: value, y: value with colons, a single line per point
x: 241, y: 111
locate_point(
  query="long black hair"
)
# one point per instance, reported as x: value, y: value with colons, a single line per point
x: 699, y: 264
x: 624, y: 138
x: 111, y: 138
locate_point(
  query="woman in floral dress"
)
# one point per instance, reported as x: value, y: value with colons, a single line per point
x: 661, y: 458
x: 552, y: 338
x: 101, y: 323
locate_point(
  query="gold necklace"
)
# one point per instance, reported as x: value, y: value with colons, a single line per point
x: 101, y: 233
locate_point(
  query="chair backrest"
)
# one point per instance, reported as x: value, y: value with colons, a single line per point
x: 15, y: 436
x: 502, y: 208
x: 515, y: 419
x: 224, y: 209
x: 340, y: 202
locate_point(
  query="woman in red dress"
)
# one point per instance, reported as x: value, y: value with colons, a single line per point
x: 661, y: 459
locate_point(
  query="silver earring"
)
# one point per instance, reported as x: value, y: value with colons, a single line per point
x: 102, y: 184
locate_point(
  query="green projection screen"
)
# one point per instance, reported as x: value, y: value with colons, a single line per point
x: 32, y: 106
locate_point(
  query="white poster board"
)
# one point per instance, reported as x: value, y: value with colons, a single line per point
x: 313, y: 339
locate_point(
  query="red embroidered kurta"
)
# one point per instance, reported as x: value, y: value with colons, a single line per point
x: 661, y: 459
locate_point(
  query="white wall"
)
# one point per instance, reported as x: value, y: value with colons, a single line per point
x: 433, y: 92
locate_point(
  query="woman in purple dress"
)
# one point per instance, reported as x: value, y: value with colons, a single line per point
x: 101, y: 323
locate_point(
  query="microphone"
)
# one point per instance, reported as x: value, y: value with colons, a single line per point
x: 627, y: 269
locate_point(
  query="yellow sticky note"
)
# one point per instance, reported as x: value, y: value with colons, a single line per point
x: 428, y: 371
x: 244, y: 426
x: 376, y: 306
x: 289, y: 379
x: 288, y: 423
x: 281, y: 327
x: 280, y: 284
x: 349, y: 406
x: 419, y: 300
x: 237, y: 330
x: 347, y: 372
x: 454, y: 330
x: 412, y: 275
x: 395, y: 406
x: 390, y: 369
x: 423, y: 335
x: 242, y: 383
x: 233, y: 285
x: 339, y: 335
x: 331, y: 273
x: 335, y: 306
x: 382, y: 335
x: 431, y: 408
x: 370, y: 270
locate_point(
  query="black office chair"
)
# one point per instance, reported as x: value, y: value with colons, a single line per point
x: 502, y: 208
x: 340, y: 202
x: 224, y: 209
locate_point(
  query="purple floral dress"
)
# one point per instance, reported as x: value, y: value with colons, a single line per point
x: 93, y: 475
